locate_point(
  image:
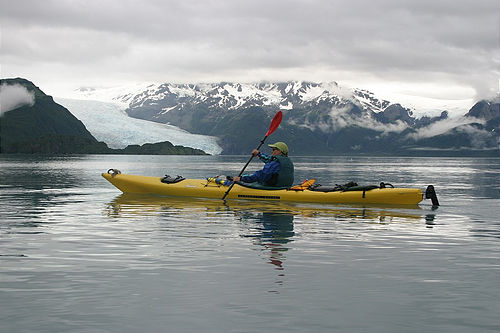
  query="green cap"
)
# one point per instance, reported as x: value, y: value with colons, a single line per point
x: 281, y: 146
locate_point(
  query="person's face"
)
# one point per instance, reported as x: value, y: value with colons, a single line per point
x: 276, y: 152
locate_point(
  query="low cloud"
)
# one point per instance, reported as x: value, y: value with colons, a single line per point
x: 14, y: 96
x: 478, y: 136
x: 341, y: 118
x: 443, y: 126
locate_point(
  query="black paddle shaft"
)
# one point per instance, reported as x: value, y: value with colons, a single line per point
x: 251, y: 157
x: 272, y: 127
x: 243, y: 170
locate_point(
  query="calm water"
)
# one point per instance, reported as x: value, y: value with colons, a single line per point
x: 78, y: 256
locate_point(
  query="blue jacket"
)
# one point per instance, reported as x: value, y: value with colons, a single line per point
x: 277, y: 171
x: 271, y: 167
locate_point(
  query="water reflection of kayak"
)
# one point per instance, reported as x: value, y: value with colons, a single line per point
x: 200, y: 188
x: 140, y: 204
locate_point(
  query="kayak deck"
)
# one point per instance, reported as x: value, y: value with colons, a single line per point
x: 201, y: 188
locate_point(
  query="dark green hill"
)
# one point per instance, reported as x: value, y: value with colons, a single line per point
x: 159, y: 148
x: 49, y: 128
x: 44, y: 127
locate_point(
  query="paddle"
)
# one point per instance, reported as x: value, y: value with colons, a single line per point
x: 274, y: 125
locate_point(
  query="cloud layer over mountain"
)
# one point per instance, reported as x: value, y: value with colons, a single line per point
x: 442, y: 49
x: 445, y: 125
x: 14, y: 96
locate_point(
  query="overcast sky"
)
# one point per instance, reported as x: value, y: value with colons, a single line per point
x: 440, y: 49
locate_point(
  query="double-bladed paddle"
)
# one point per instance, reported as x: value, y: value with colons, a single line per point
x: 272, y: 127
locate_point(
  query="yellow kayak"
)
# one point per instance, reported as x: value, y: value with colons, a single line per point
x: 202, y: 188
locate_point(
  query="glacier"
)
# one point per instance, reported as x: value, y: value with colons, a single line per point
x: 109, y: 123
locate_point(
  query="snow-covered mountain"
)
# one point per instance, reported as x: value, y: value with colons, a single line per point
x: 233, y: 96
x: 285, y: 95
x: 109, y: 123
x: 321, y: 117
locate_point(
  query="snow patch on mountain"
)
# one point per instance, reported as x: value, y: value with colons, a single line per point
x: 426, y: 106
x: 108, y: 122
x: 368, y: 100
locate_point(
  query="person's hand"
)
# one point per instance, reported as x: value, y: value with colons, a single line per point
x: 255, y: 152
x: 236, y: 179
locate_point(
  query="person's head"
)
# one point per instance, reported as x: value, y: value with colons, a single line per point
x: 279, y: 148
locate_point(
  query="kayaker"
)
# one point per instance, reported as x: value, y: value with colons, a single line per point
x: 278, y: 168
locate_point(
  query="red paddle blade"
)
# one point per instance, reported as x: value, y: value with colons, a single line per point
x: 275, y: 123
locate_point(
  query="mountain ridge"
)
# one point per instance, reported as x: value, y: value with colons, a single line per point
x: 321, y: 119
x: 322, y: 113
